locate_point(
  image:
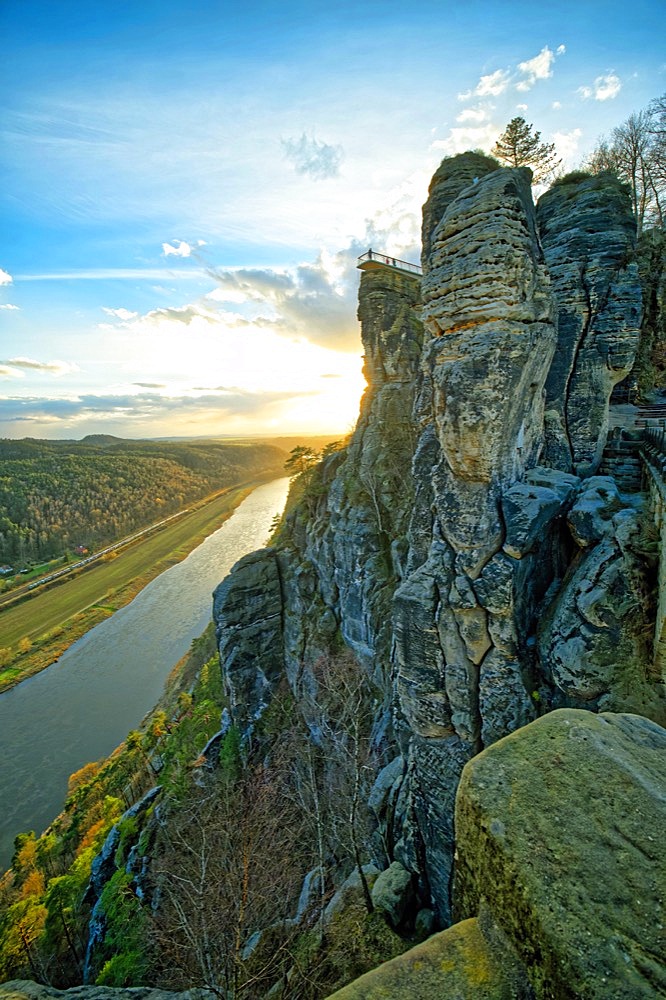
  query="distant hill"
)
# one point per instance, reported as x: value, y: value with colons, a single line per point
x: 56, y: 495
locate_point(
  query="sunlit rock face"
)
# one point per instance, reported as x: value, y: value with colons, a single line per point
x: 451, y: 177
x: 588, y: 235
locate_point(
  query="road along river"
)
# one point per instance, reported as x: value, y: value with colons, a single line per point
x: 80, y: 708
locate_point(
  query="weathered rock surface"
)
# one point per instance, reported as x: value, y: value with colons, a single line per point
x: 559, y: 833
x: 451, y: 177
x: 20, y: 989
x: 457, y: 964
x: 489, y: 310
x: 393, y: 893
x: 247, y: 610
x: 595, y: 641
x: 588, y: 235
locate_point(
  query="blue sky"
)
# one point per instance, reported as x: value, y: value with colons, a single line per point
x: 185, y: 187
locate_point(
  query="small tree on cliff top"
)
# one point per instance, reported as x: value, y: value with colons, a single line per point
x: 520, y: 146
x: 301, y: 459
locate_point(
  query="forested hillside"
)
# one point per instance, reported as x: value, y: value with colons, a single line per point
x: 57, y: 495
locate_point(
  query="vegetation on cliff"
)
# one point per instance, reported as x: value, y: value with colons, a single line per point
x: 43, y: 910
x: 56, y: 496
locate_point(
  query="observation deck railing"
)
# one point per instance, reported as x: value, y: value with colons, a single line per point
x: 372, y: 258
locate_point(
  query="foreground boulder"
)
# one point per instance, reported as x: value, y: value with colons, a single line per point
x: 560, y: 833
x: 560, y: 853
x: 461, y: 963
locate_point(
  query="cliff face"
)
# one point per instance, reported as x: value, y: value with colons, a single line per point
x: 588, y: 235
x: 455, y: 546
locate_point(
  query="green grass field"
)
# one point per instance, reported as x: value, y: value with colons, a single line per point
x: 104, y: 587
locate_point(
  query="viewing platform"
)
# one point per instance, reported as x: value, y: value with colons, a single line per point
x: 371, y: 260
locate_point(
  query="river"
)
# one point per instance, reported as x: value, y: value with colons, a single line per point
x: 80, y: 708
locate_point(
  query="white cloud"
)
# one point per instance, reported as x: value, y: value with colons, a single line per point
x: 182, y: 314
x: 540, y: 67
x: 318, y: 159
x: 8, y: 305
x: 56, y: 368
x: 177, y: 314
x: 556, y: 105
x: 493, y: 84
x: 604, y: 88
x: 521, y: 107
x: 460, y: 140
x: 560, y: 50
x: 5, y: 279
x: 182, y: 250
x: 478, y: 114
x: 7, y: 372
x: 566, y: 144
x: 123, y: 314
x: 314, y: 302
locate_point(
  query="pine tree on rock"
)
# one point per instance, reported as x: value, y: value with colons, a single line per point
x: 520, y: 146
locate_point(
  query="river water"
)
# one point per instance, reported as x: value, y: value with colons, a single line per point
x: 83, y: 706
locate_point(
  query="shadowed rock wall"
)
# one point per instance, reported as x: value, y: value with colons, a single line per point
x: 588, y: 233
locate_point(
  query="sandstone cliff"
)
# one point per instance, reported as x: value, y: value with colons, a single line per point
x: 461, y: 545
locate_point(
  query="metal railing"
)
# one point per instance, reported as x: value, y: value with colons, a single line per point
x: 371, y: 256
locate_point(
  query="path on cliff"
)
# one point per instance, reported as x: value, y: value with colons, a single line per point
x: 82, y: 707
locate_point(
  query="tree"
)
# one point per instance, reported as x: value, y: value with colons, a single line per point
x: 519, y: 146
x: 635, y: 152
x: 301, y: 459
x: 226, y: 864
x: 339, y: 712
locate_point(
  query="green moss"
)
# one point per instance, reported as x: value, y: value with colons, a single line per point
x: 573, y: 177
x: 355, y: 941
x: 458, y: 962
x: 125, y: 947
x: 125, y: 969
x: 129, y: 829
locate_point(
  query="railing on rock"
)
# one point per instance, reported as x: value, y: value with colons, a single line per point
x: 653, y: 455
x: 372, y: 258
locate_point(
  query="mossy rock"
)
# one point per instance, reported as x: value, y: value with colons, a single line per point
x: 456, y: 964
x: 559, y: 831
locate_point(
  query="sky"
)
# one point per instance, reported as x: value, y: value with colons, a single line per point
x: 186, y: 185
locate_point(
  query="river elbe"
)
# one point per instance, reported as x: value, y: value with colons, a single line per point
x: 80, y: 708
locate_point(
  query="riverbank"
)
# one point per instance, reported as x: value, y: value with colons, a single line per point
x: 48, y: 623
x: 105, y: 684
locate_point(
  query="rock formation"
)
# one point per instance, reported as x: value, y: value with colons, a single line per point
x: 588, y: 235
x: 559, y: 875
x: 456, y: 545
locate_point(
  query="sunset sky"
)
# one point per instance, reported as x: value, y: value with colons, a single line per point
x: 186, y: 186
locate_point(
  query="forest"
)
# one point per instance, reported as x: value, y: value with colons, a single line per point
x: 57, y: 496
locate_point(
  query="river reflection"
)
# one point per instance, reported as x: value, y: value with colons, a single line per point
x: 82, y: 707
